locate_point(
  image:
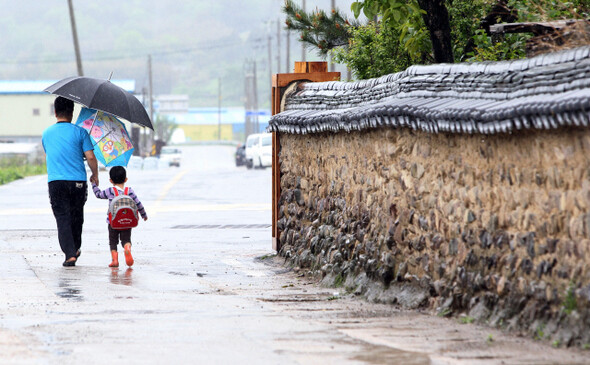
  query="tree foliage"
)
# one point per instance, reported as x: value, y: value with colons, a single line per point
x: 374, y: 50
x: 319, y: 29
x: 401, y: 31
x: 164, y: 127
x: 413, y: 19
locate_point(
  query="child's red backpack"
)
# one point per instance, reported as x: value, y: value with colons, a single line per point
x: 122, y: 211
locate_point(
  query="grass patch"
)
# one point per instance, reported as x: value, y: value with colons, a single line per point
x: 445, y: 312
x: 334, y: 297
x: 268, y: 256
x: 490, y: 339
x: 338, y: 281
x: 466, y: 320
x: 556, y: 343
x: 539, y: 333
x: 586, y: 346
x: 570, y: 303
x: 12, y: 169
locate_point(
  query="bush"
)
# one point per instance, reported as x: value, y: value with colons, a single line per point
x: 17, y: 168
x: 374, y: 50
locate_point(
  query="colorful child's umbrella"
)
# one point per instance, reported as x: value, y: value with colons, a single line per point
x: 112, y: 145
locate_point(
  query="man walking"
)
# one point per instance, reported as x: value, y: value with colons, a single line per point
x: 65, y: 146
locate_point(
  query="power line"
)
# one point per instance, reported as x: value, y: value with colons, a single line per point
x: 137, y: 54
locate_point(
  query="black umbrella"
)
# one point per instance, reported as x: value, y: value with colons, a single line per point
x: 102, y: 95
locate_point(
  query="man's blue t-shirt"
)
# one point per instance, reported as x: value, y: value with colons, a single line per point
x: 64, y: 145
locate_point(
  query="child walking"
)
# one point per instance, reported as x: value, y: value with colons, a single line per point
x: 118, y: 177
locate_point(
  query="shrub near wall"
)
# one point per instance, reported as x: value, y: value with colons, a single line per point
x: 493, y: 226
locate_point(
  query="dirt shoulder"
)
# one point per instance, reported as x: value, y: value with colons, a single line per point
x: 427, y: 337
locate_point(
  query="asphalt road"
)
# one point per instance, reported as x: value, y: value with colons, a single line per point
x: 204, y: 288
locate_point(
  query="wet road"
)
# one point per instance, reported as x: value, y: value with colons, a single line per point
x: 204, y: 289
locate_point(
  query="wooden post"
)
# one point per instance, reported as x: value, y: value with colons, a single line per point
x: 304, y: 71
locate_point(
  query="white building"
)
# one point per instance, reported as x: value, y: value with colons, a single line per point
x: 26, y: 110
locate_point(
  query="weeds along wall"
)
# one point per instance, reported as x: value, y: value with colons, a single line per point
x: 494, y: 226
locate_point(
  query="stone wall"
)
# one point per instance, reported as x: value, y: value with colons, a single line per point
x: 496, y: 227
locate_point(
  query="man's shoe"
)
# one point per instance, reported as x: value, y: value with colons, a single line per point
x: 69, y: 262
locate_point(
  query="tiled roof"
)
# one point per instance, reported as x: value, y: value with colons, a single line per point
x: 544, y: 92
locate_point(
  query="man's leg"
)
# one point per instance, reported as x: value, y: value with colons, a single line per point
x: 59, y: 196
x: 79, y: 197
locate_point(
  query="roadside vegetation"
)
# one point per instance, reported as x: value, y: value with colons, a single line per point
x: 399, y: 33
x: 17, y: 168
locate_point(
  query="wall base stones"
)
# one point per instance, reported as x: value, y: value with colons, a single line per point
x: 496, y: 227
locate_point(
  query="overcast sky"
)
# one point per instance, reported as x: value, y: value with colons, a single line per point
x: 192, y: 42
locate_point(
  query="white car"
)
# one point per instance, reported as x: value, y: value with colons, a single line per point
x: 259, y: 150
x: 171, y: 154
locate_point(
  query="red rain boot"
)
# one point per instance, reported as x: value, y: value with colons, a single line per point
x: 115, y: 262
x: 128, y: 257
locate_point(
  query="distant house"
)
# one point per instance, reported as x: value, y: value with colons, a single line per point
x: 204, y: 124
x: 27, y: 110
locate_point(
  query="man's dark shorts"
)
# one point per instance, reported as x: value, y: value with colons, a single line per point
x: 115, y: 235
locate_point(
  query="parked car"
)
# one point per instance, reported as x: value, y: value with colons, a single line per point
x: 251, y: 146
x: 171, y: 154
x: 259, y: 150
x: 240, y: 155
x: 265, y: 157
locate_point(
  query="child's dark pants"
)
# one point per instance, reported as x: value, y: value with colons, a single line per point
x: 115, y: 234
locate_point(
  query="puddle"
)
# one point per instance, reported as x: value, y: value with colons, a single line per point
x: 294, y: 299
x: 69, y: 290
x: 372, y: 354
x: 175, y: 273
x: 119, y: 278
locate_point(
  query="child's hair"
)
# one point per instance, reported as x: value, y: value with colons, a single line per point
x: 118, y: 174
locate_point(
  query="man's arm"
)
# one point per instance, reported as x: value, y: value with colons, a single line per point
x: 93, y: 164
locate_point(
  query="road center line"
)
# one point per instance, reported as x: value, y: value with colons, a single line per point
x: 166, y: 190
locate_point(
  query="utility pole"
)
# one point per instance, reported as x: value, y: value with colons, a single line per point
x: 219, y: 108
x: 148, y: 147
x: 255, y: 96
x: 251, y: 98
x: 303, y: 53
x: 247, y: 99
x: 279, y: 46
x: 75, y: 36
x: 269, y: 45
x: 288, y: 51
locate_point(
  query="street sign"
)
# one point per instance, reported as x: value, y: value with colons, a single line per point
x: 257, y: 112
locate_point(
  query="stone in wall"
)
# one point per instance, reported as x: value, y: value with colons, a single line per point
x: 497, y: 226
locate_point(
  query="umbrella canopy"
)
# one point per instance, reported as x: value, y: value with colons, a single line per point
x: 112, y: 145
x: 102, y: 95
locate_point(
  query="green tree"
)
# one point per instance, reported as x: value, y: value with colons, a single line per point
x: 318, y: 29
x: 404, y: 32
x: 164, y: 128
x: 411, y: 17
x: 373, y: 51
